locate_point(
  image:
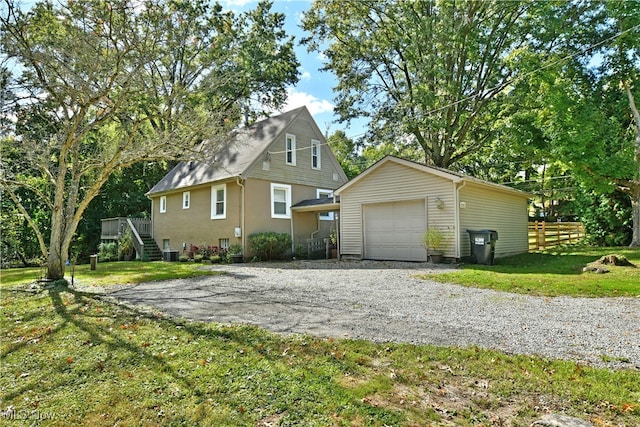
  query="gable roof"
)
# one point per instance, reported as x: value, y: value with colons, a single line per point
x: 456, y: 177
x: 233, y: 159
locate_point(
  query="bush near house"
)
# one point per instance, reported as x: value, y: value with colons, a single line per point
x: 270, y: 245
x: 108, y: 251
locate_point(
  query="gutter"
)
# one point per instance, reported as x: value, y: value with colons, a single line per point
x: 456, y: 197
x: 242, y: 229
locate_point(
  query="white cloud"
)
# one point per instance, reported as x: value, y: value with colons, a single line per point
x: 315, y: 105
x: 238, y: 3
x: 305, y: 75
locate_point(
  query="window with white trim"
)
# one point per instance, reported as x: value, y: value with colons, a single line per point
x: 321, y: 194
x: 280, y: 201
x: 219, y: 201
x: 186, y: 199
x: 315, y: 154
x: 290, y: 149
x: 224, y: 244
x: 163, y: 204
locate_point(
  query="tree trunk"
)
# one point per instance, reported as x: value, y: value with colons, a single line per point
x: 635, y: 191
x: 635, y: 207
x: 56, y: 257
x: 55, y: 265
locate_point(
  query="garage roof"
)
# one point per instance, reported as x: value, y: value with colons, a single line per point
x: 444, y: 173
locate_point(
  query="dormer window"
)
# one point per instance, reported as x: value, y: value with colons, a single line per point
x: 290, y: 149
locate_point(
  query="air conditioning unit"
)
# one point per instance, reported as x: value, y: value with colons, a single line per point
x: 170, y: 256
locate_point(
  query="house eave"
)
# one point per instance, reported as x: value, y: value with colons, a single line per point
x: 326, y: 207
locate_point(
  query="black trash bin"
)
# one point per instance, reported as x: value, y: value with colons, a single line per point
x: 483, y: 246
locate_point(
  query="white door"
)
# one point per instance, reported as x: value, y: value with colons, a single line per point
x: 393, y: 231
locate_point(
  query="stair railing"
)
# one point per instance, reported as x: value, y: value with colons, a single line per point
x: 138, y: 243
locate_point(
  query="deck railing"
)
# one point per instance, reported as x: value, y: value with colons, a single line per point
x: 138, y: 243
x: 112, y: 228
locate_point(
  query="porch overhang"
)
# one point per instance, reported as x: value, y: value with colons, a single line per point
x: 316, y: 205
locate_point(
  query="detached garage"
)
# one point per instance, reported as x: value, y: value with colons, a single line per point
x: 385, y: 211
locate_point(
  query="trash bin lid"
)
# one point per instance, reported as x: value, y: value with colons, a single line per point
x: 489, y: 234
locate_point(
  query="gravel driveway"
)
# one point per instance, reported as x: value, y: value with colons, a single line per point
x: 382, y: 301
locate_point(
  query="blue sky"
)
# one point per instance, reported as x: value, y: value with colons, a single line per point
x: 315, y: 87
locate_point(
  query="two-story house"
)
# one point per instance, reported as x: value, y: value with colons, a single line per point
x: 266, y: 177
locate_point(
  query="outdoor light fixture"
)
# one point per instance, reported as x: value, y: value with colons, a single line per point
x: 439, y: 203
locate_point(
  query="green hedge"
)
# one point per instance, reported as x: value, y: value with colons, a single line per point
x: 270, y: 245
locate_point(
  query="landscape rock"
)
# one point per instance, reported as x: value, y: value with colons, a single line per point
x: 557, y: 420
x: 611, y: 259
x: 614, y: 259
x: 597, y: 270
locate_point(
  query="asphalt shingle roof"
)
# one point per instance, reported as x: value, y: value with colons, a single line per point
x: 233, y: 158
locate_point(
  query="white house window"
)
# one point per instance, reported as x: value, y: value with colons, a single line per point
x: 280, y: 201
x: 186, y: 199
x: 315, y: 154
x: 290, y: 149
x: 219, y: 201
x: 321, y: 194
x: 224, y: 244
x: 163, y: 204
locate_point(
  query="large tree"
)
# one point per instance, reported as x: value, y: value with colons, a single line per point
x: 588, y: 106
x: 100, y: 86
x: 425, y: 69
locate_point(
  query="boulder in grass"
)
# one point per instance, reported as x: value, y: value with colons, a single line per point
x: 557, y: 420
x: 614, y: 259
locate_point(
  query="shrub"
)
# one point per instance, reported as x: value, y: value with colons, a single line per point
x: 107, y: 251
x: 183, y: 258
x: 269, y: 245
x: 126, y: 248
x: 198, y: 258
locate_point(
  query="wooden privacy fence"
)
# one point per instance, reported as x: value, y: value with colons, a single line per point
x: 544, y: 234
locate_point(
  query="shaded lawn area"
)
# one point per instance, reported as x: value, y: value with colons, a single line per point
x: 553, y: 272
x: 111, y: 273
x: 81, y: 359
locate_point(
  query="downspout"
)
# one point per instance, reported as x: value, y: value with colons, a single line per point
x: 457, y: 217
x: 241, y: 185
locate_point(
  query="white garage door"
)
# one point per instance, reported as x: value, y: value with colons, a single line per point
x: 393, y: 231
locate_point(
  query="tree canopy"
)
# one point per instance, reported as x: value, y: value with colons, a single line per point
x: 99, y: 86
x: 422, y: 69
x: 506, y: 91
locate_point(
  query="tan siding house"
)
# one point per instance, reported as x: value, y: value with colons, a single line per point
x: 385, y: 211
x: 250, y: 185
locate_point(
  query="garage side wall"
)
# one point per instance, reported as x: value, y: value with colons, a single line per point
x: 485, y: 208
x: 393, y: 182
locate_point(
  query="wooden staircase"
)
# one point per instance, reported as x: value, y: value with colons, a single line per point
x: 146, y: 247
x: 151, y: 250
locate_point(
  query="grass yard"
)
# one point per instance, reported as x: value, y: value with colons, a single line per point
x: 552, y: 273
x: 110, y: 273
x: 72, y: 358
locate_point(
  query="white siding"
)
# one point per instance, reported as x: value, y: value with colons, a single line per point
x: 494, y: 210
x: 392, y: 182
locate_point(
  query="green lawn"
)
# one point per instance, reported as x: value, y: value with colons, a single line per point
x: 110, y: 273
x: 552, y: 273
x: 73, y: 358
